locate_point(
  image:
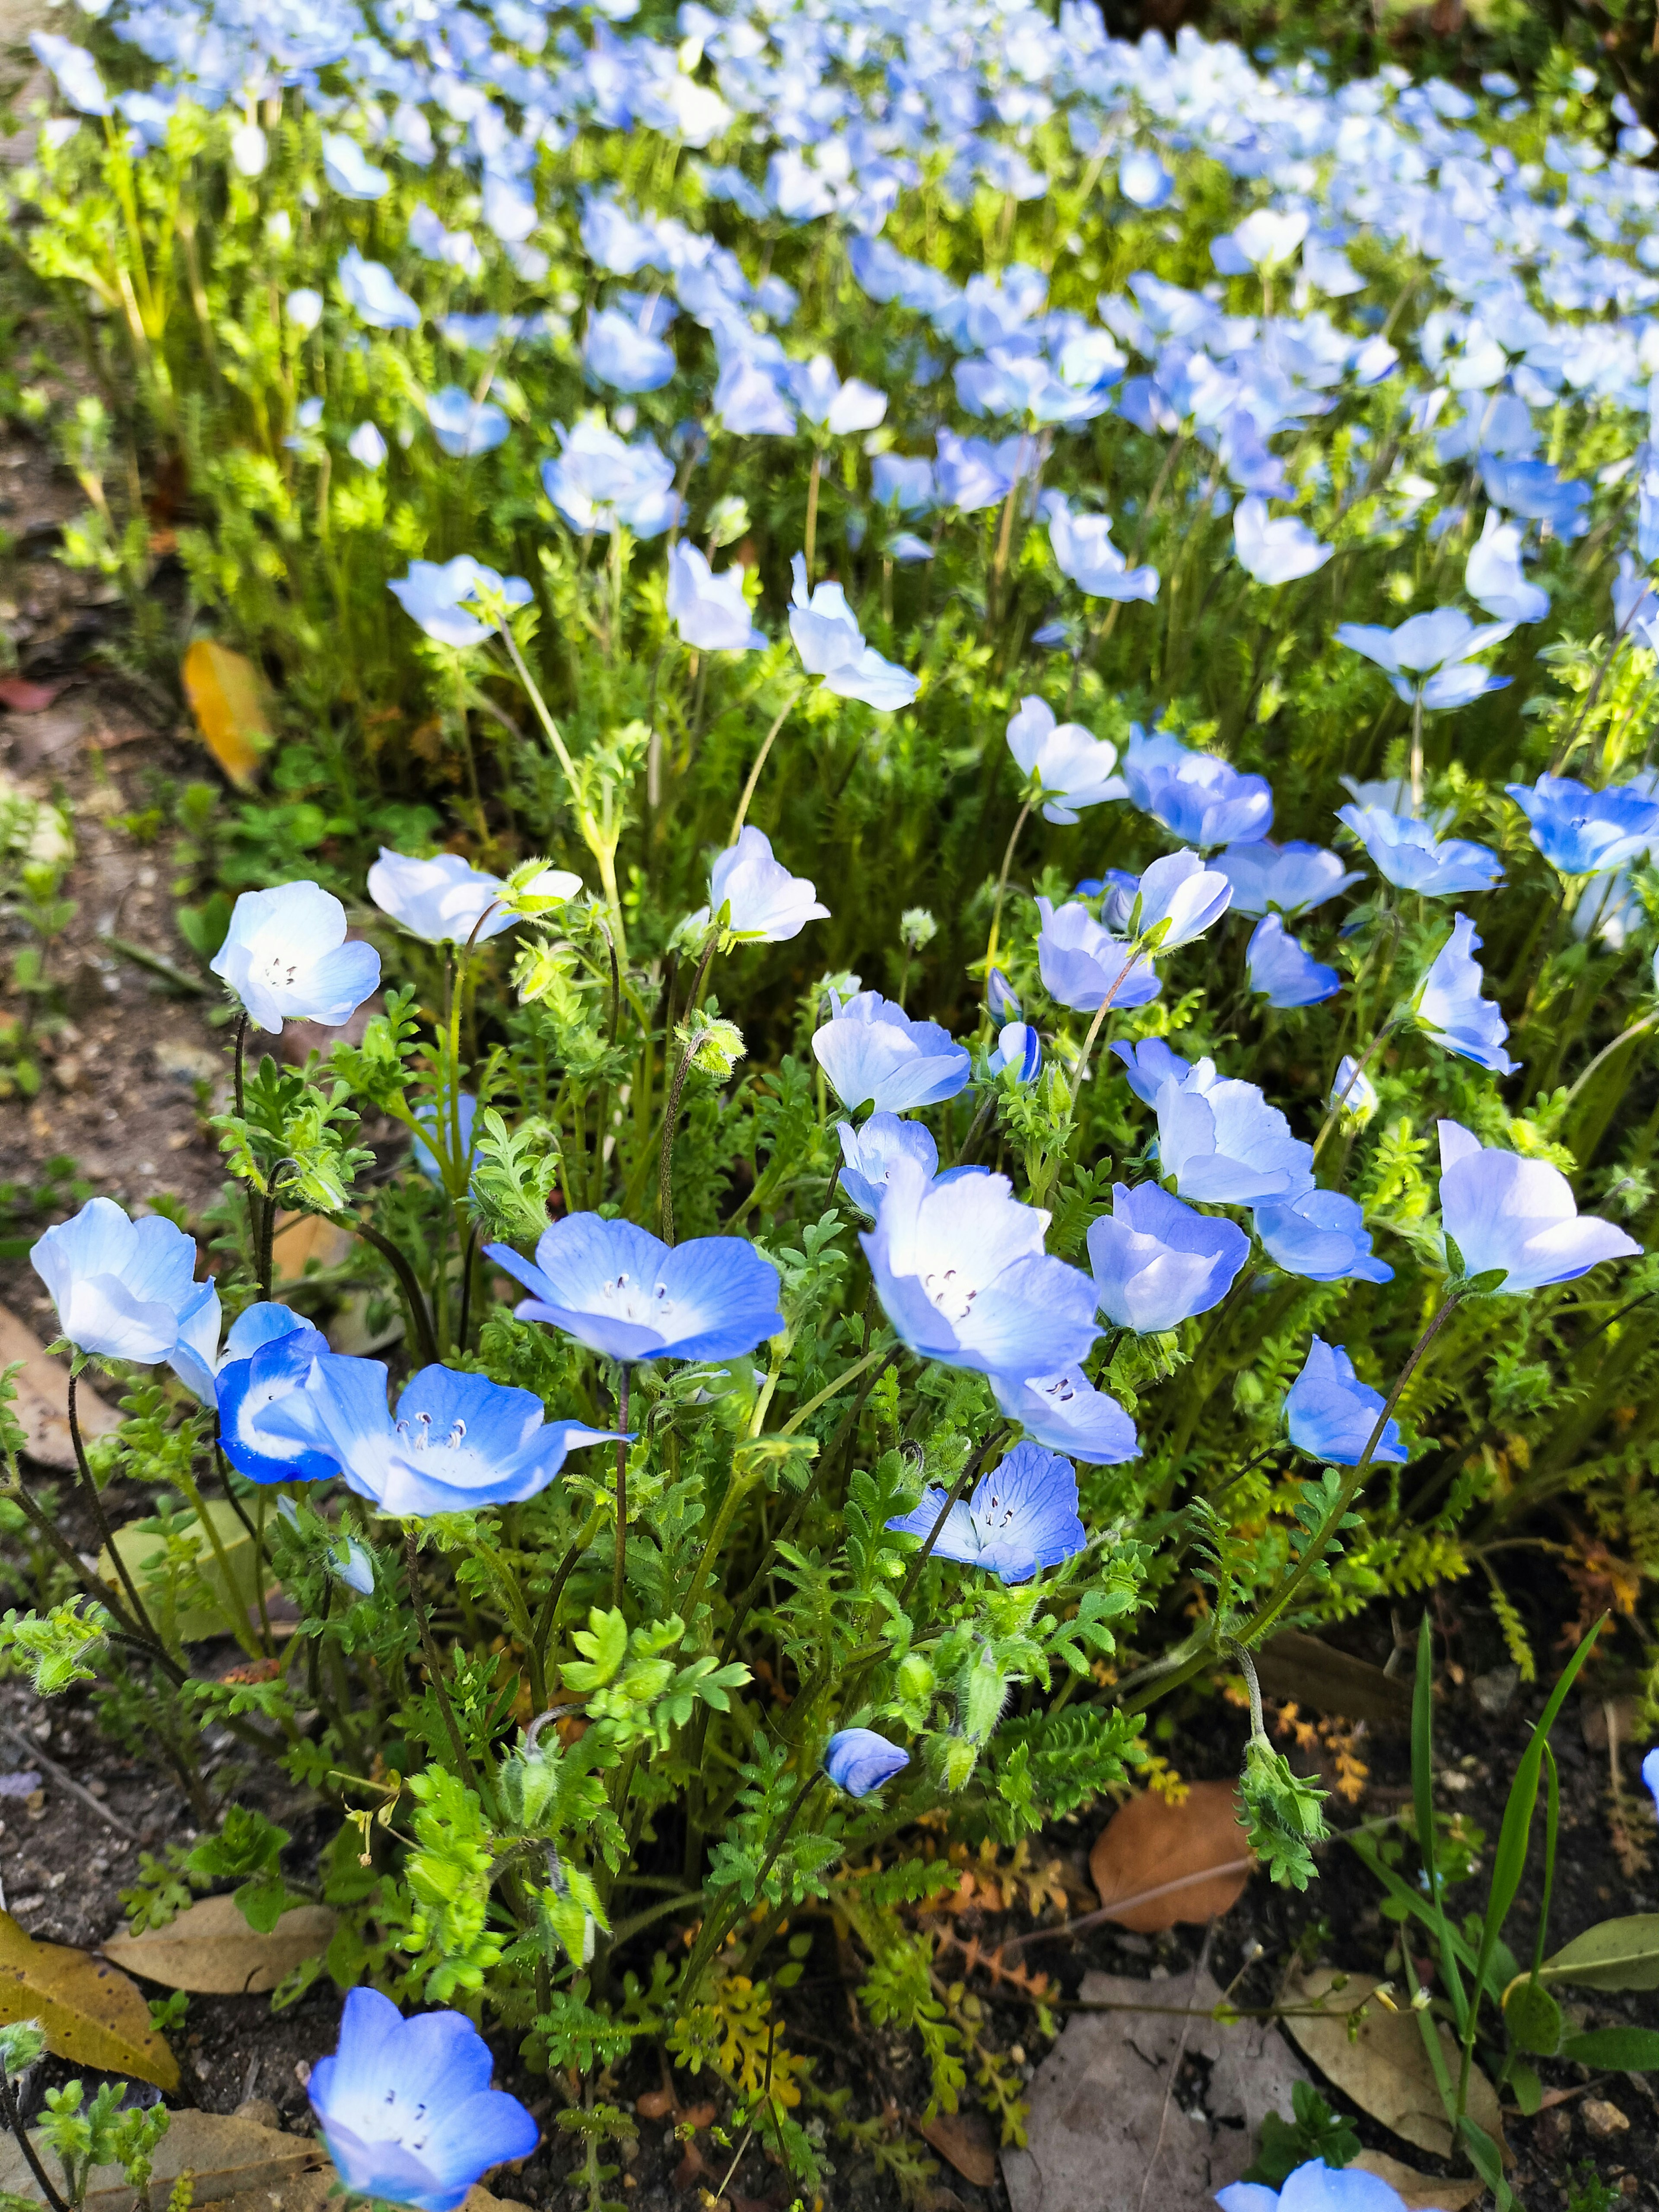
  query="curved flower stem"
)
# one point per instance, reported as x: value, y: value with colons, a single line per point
x: 1608, y: 1051
x: 618, y: 1572
x: 1341, y: 1100
x: 242, y: 1041
x: 469, y: 1265
x: 239, y: 1623
x: 672, y: 1110
x: 426, y: 1342
x: 767, y: 742
x: 958, y: 1491
x: 810, y: 540
x: 12, y: 2115
x: 105, y: 1536
x: 1020, y: 820
x: 127, y: 1630
x: 1417, y: 751
x: 1101, y: 1012
x: 435, y: 1666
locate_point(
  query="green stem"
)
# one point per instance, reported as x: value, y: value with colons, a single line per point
x: 619, y: 1569
x: 671, y: 1111
x: 767, y: 742
x: 1020, y: 820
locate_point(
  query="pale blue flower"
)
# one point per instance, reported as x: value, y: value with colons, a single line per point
x: 1067, y: 1413
x: 1069, y: 767
x: 747, y: 401
x: 860, y: 1762
x: 1316, y: 2187
x: 1493, y: 578
x: 1321, y: 1235
x: 350, y: 171
x: 1262, y: 240
x: 823, y: 398
x: 286, y: 957
x: 622, y: 355
x: 406, y: 2108
x: 1582, y: 832
x: 367, y: 447
x: 1150, y: 1063
x: 903, y: 484
x: 126, y: 1290
x: 441, y: 598
x: 304, y: 308
x: 627, y: 1296
x: 1518, y: 1216
x: 1021, y: 1518
x: 831, y: 646
x: 1432, y: 655
x: 873, y: 1052
x: 1538, y: 492
x: 1083, y: 965
x: 753, y: 897
x: 1332, y: 1413
x: 353, y: 1565
x: 1289, y: 879
x: 370, y: 288
x: 268, y: 1356
x: 1198, y: 796
x: 1408, y: 853
x: 1224, y: 1145
x: 75, y: 69
x: 1084, y: 551
x: 961, y: 1272
x: 447, y: 902
x: 1001, y: 999
x: 426, y: 1116
x: 1143, y: 180
x: 1156, y: 1262
x: 1019, y: 1047
x: 1182, y: 898
x: 973, y: 474
x: 597, y: 481
x: 1354, y: 1095
x: 1283, y: 972
x: 1276, y: 551
x: 463, y: 426
x: 1450, y: 1002
x: 709, y: 611
x: 867, y: 1155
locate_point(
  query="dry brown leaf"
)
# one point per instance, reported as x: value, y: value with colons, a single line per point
x: 965, y: 2138
x: 210, y: 1949
x: 1149, y: 1845
x: 228, y: 699
x: 231, y: 2157
x: 92, y: 2016
x: 1385, y: 2068
x: 1420, y: 2192
x: 43, y: 1397
x: 303, y: 1236
x: 1314, y: 1674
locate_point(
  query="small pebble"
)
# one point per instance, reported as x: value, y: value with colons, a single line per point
x: 1603, y: 2120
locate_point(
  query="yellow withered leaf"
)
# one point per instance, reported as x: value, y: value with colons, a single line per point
x: 228, y: 698
x: 91, y: 2015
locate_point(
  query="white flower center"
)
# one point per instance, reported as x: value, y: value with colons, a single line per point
x: 992, y: 1517
x: 629, y: 1300
x: 421, y: 1436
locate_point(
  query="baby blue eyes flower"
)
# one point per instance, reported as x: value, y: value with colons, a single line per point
x: 1083, y: 551
x: 1083, y: 965
x: 459, y: 1442
x: 1283, y: 972
x: 1224, y: 1145
x: 367, y: 447
x: 1288, y: 879
x: 1070, y: 767
x: 1493, y: 578
x: 463, y: 426
x: 75, y: 69
x: 350, y: 171
x: 406, y: 2108
x: 1518, y: 1216
x: 627, y: 358
x: 972, y: 474
x: 1180, y: 898
x: 442, y: 899
x: 1332, y: 1413
x: 709, y: 611
x: 268, y: 1357
x: 1149, y: 1065
x: 1354, y: 1095
x: 1450, y: 1005
x: 1001, y: 999
x: 1315, y: 2187
x: 1275, y: 551
x: 1021, y: 1518
x: 748, y: 403
x: 1406, y: 852
x: 831, y: 645
x: 127, y: 1290
x: 1143, y: 180
x: 285, y: 956
x: 823, y: 398
x: 597, y: 481
x: 1432, y: 656
x: 1067, y: 1413
x: 1582, y: 832
x: 1155, y: 1263
x: 868, y: 1156
x: 961, y: 1272
x: 370, y: 288
x: 1322, y: 1235
x: 860, y: 1762
x: 304, y: 308
x: 351, y: 1562
x: 1197, y: 796
x: 1019, y: 1047
x: 440, y: 597
x: 1262, y: 240
x: 755, y: 898
x: 1650, y: 1775
x: 903, y: 484
x: 873, y: 1053
x: 627, y: 1296
x: 422, y: 1152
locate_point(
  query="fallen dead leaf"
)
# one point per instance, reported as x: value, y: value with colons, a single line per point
x: 1316, y: 1674
x: 231, y: 2159
x: 43, y: 1397
x: 303, y: 1236
x: 138, y: 1545
x: 226, y: 697
x: 965, y: 2138
x: 1385, y: 2068
x: 1149, y: 1845
x: 210, y: 1949
x: 22, y: 697
x: 1419, y: 2192
x: 1107, y: 2133
x: 91, y: 2014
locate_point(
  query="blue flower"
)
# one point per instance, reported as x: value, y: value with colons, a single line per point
x: 625, y: 1294
x: 1283, y: 972
x: 1224, y: 1145
x: 902, y: 483
x: 1067, y: 1413
x: 972, y: 474
x: 823, y: 398
x: 286, y: 958
x: 350, y: 171
x: 268, y: 1356
x: 75, y: 69
x: 422, y: 1152
x: 1408, y: 853
x: 1493, y: 578
x: 1019, y: 1047
x: 1143, y: 180
x: 859, y: 1761
x: 1150, y: 1064
x: 961, y: 1274
x: 622, y: 355
x: 1155, y: 1263
x: 872, y: 1052
x: 373, y: 291
x: 1315, y: 2187
x: 1354, y: 1095
x: 1584, y: 832
x: 597, y: 481
x: 1518, y: 1216
x: 1083, y: 551
x: 747, y: 402
x: 463, y: 426
x: 831, y: 645
x: 1650, y: 1775
x: 868, y: 1156
x: 1332, y: 1413
x: 1321, y: 1235
x: 1001, y: 999
x: 1196, y: 796
x: 709, y: 611
x: 1276, y: 551
x: 1066, y: 765
x: 441, y: 597
x: 304, y: 308
x: 353, y: 1565
x: 125, y: 1290
x: 367, y: 447
x: 1432, y: 656
x: 753, y: 898
x: 1179, y: 899
x: 445, y: 900
x: 1288, y: 879
x: 406, y: 2108
x: 1449, y: 1004
x: 1083, y: 965
x: 459, y: 1442
x: 1021, y: 1518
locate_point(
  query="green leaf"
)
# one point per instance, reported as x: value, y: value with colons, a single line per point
x: 1533, y: 2018
x: 1618, y: 2050
x: 1486, y: 2159
x: 1614, y: 1954
x: 1528, y: 2089
x: 604, y: 1644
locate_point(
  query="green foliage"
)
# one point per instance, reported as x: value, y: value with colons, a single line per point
x: 1314, y: 2131
x: 55, y: 1647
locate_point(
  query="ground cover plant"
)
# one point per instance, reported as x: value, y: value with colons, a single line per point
x: 1043, y: 1074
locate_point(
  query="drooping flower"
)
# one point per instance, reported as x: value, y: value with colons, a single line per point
x: 1315, y: 2187
x: 1321, y: 1235
x: 1432, y: 655
x: 597, y: 481
x: 1070, y: 767
x: 859, y: 1761
x: 1224, y: 1145
x: 1276, y: 551
x: 1067, y: 1413
x: 406, y: 2108
x: 867, y: 1155
x: 1494, y: 579
x: 963, y: 1276
x: 873, y: 1053
x: 1584, y: 832
x: 831, y: 646
x: 458, y: 1441
x: 286, y: 958
x: 1283, y: 971
x: 127, y: 1290
x: 1022, y: 1517
x: 268, y: 1356
x: 442, y: 900
x: 441, y: 598
x: 1082, y: 964
x: 1518, y: 1216
x: 1156, y: 1262
x: 1354, y: 1095
x: 348, y: 170
x: 1332, y: 1413
x: 754, y: 897
x: 75, y: 70
x: 1179, y: 894
x: 463, y: 426
x: 709, y: 611
x: 1289, y: 879
x: 1083, y: 551
x: 1019, y: 1047
x: 1150, y: 1063
x: 627, y: 1296
x: 1001, y: 999
x: 1197, y: 796
x: 373, y: 291
x: 1450, y: 1002
x: 1407, y: 851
